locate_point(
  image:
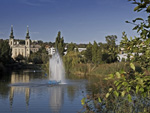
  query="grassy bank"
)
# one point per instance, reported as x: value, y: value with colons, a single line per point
x: 87, y: 70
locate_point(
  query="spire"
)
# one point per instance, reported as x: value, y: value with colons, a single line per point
x: 11, y: 34
x: 27, y: 35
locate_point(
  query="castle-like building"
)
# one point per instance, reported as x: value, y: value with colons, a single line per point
x: 22, y: 49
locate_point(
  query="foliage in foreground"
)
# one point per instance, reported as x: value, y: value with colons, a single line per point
x: 120, y: 92
x: 130, y: 90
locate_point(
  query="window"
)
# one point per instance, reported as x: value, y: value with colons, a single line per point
x: 15, y: 52
x: 18, y: 51
x: 22, y: 51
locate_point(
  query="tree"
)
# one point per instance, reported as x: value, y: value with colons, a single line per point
x: 5, y: 52
x: 88, y: 52
x: 135, y: 82
x: 19, y: 58
x: 71, y: 60
x: 43, y: 54
x: 94, y: 52
x: 70, y: 47
x: 112, y: 50
x: 131, y: 83
x: 111, y: 40
x: 39, y: 57
x: 59, y: 44
x: 139, y: 44
x: 37, y: 60
x: 99, y: 55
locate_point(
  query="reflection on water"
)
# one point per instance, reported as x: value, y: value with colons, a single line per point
x: 56, y: 98
x: 29, y: 91
x: 18, y: 78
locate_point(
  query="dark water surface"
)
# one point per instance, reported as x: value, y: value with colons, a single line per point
x: 29, y: 92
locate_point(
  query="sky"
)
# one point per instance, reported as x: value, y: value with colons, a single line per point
x: 80, y: 21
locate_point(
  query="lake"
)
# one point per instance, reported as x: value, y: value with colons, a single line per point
x: 28, y: 91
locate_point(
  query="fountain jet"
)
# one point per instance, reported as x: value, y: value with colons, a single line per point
x: 56, y: 69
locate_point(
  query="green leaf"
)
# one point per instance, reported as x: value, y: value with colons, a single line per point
x: 145, y: 94
x: 99, y: 100
x: 117, y: 83
x: 148, y: 41
x: 139, y: 19
x: 132, y: 66
x: 129, y: 98
x: 111, y: 75
x: 141, y: 81
x: 137, y: 88
x: 149, y: 19
x: 116, y: 93
x: 135, y: 28
x: 122, y: 72
x: 124, y: 83
x: 128, y: 89
x: 83, y: 101
x: 148, y: 9
x: 107, y: 95
x: 118, y: 87
x: 141, y: 89
x: 127, y: 21
x: 147, y: 52
x: 118, y: 75
x: 136, y: 8
x: 110, y: 89
x: 123, y: 93
x: 138, y: 30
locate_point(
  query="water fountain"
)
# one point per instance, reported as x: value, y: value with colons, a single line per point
x: 56, y: 69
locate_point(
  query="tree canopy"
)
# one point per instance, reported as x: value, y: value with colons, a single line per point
x: 5, y: 52
x: 59, y: 44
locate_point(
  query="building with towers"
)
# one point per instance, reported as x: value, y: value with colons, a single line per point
x: 22, y: 49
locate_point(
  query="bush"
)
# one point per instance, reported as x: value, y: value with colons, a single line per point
x: 2, y: 68
x: 105, y: 69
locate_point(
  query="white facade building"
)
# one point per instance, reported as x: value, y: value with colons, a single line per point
x: 124, y: 56
x: 24, y: 50
x: 81, y: 49
x: 51, y: 50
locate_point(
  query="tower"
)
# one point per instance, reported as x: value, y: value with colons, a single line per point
x: 27, y: 43
x: 11, y: 39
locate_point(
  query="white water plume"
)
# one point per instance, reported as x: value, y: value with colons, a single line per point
x: 56, y: 68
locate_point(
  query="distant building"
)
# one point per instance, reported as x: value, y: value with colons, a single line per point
x: 122, y: 55
x: 22, y: 49
x: 51, y: 50
x: 81, y: 49
x: 36, y: 41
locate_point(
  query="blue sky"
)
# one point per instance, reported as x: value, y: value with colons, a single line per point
x: 80, y: 21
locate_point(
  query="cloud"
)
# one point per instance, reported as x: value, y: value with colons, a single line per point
x: 36, y: 2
